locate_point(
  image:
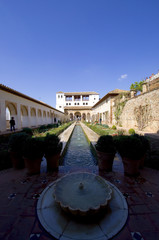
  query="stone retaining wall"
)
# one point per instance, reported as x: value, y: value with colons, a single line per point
x: 142, y: 112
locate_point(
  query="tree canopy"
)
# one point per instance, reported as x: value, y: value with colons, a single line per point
x: 137, y: 86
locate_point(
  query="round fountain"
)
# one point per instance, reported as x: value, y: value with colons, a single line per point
x: 82, y: 194
x: 66, y: 203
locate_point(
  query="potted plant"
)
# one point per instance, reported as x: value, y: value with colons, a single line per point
x: 105, y: 149
x: 53, y: 148
x: 145, y: 149
x: 16, y: 142
x: 130, y: 149
x: 33, y: 152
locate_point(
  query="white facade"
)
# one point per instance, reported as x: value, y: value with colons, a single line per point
x: 27, y: 112
x: 73, y: 99
x: 102, y: 110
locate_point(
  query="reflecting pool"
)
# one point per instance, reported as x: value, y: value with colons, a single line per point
x: 78, y: 151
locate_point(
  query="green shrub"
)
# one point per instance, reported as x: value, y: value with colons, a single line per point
x: 121, y: 132
x: 52, y: 125
x: 131, y: 131
x: 114, y: 127
x: 28, y: 131
x: 5, y: 161
x: 33, y: 148
x: 17, y: 141
x: 42, y: 128
x: 105, y: 126
x: 129, y: 146
x: 52, y: 145
x: 106, y: 144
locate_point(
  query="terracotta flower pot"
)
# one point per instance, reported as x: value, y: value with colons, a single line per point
x: 52, y: 162
x: 17, y: 160
x: 131, y: 166
x: 142, y: 160
x: 105, y: 161
x: 33, y: 165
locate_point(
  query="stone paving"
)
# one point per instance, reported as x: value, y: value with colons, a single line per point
x: 20, y: 193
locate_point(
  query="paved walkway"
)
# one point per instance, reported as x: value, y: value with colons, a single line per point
x: 19, y: 195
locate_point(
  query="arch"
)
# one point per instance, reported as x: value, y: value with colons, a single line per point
x: 84, y: 117
x: 12, y: 108
x: 11, y: 111
x: 71, y: 116
x: 77, y: 115
x: 24, y: 110
x: 44, y: 113
x: 93, y: 118
x: 88, y: 117
x: 33, y: 112
x: 24, y: 116
x: 8, y: 115
x: 39, y: 113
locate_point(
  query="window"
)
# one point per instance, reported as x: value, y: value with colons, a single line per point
x: 59, y: 106
x: 58, y: 96
x: 94, y: 98
x: 85, y: 97
x: 84, y: 103
x: 61, y: 96
x: 78, y: 103
x: 66, y: 103
x: 69, y: 103
x: 75, y: 103
x: 77, y: 98
x: 68, y: 98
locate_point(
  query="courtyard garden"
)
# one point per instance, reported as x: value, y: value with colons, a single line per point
x: 16, y: 139
x: 152, y: 153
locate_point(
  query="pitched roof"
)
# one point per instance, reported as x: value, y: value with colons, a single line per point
x: 77, y: 108
x: 111, y: 93
x: 19, y: 94
x: 81, y: 93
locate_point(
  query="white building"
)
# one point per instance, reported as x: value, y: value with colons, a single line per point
x: 77, y: 105
x: 102, y: 111
x: 27, y: 112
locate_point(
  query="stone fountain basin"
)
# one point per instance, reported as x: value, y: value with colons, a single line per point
x: 82, y: 194
x: 65, y: 227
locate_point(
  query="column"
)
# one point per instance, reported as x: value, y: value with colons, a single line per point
x: 144, y: 87
x: 2, y: 115
x: 132, y: 93
x: 18, y: 124
x: 29, y: 117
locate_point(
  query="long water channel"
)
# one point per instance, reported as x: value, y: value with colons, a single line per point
x: 78, y: 151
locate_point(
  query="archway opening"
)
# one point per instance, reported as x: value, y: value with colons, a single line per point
x: 77, y: 116
x: 24, y: 116
x: 8, y: 117
x: 11, y: 111
x: 84, y: 117
x: 71, y: 116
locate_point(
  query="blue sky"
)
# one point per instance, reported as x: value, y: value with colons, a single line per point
x: 48, y: 46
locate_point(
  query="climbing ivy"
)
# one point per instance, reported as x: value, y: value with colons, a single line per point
x: 118, y: 110
x: 143, y: 115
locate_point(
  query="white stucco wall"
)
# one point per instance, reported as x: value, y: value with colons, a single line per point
x: 61, y: 101
x: 26, y: 117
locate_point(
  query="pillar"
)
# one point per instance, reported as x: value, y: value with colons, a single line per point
x: 2, y: 115
x: 144, y: 87
x: 132, y: 93
x: 18, y: 124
